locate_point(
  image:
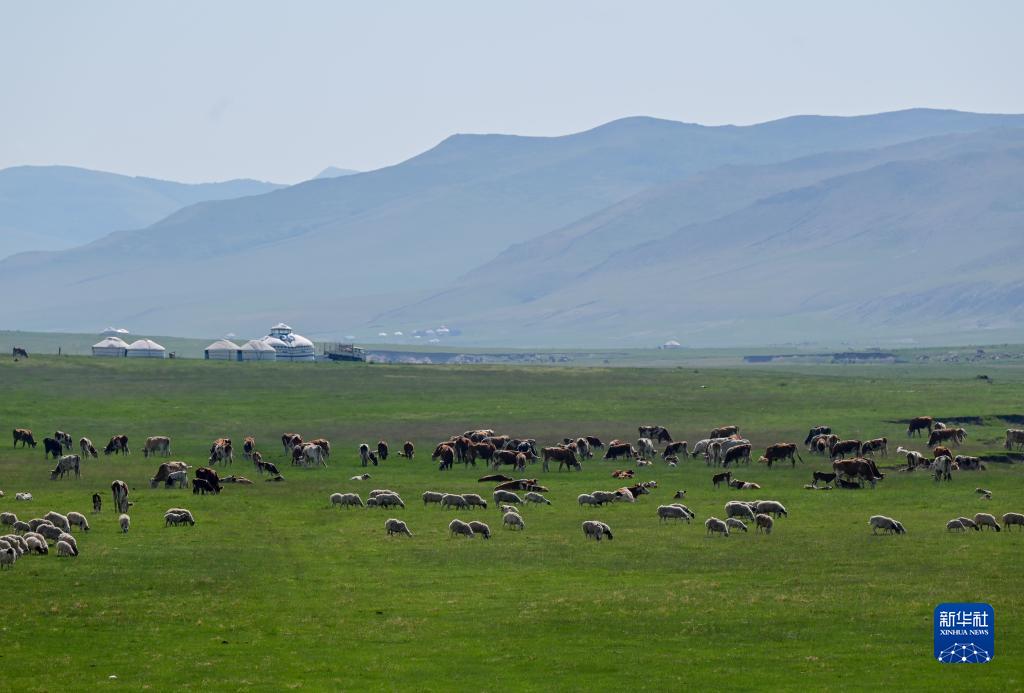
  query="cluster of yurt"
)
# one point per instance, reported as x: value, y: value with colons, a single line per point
x: 282, y: 344
x: 110, y: 346
x: 113, y: 346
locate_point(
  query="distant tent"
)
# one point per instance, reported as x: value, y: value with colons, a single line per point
x: 109, y: 346
x: 288, y: 345
x: 257, y: 350
x: 223, y: 350
x: 145, y: 349
x: 671, y: 344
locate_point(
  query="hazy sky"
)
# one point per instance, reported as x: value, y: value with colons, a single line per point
x: 212, y: 90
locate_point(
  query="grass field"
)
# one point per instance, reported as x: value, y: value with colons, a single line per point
x: 272, y: 589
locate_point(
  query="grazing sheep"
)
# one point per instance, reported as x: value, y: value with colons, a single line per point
x: 395, y: 526
x: 733, y: 523
x: 432, y: 497
x: 969, y: 523
x: 125, y: 522
x: 17, y: 543
x: 764, y: 523
x: 8, y: 518
x: 386, y: 500
x: 674, y: 512
x: 686, y: 510
x: 508, y: 509
x: 372, y: 503
x: 346, y: 499
x: 36, y: 522
x: 480, y: 528
x: 473, y: 499
x: 21, y: 527
x: 738, y: 509
x: 986, y: 520
x: 7, y: 558
x: 453, y: 500
x: 64, y: 549
x: 604, y: 496
x: 771, y: 507
x: 67, y: 538
x: 50, y: 532
x: 513, y: 520
x: 886, y: 524
x: 1013, y: 519
x: 955, y: 525
x: 532, y: 497
x: 502, y: 496
x: 178, y: 516
x: 597, y: 530
x: 58, y: 520
x: 78, y: 520
x: 457, y: 526
x: 716, y: 526
x: 37, y: 545
x: 587, y: 499
x: 380, y: 492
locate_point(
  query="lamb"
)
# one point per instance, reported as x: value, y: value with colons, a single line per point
x: 64, y: 549
x: 22, y: 527
x: 886, y: 524
x: 346, y: 499
x: 7, y: 558
x: 733, y: 523
x: 508, y: 509
x: 386, y: 500
x: 70, y: 540
x: 457, y: 526
x: 771, y: 507
x: 8, y: 518
x: 432, y: 497
x: 395, y: 526
x: 58, y: 520
x: 674, y: 512
x: 587, y: 499
x: 595, y: 529
x: 1013, y: 519
x: 37, y: 545
x: 513, y: 520
x: 125, y: 522
x: 739, y: 509
x: 480, y: 528
x: 178, y: 516
x: 955, y: 525
x: 473, y: 499
x: 532, y: 497
x: 502, y: 496
x: 372, y: 503
x: 764, y: 523
x: 969, y: 523
x: 716, y: 526
x: 453, y: 500
x: 78, y: 520
x: 986, y: 520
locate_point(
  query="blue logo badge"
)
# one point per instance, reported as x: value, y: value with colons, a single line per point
x: 965, y: 633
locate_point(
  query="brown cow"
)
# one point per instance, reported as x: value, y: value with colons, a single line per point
x: 117, y: 444
x: 324, y: 445
x: 918, y: 424
x: 724, y: 431
x: 24, y: 436
x: 779, y: 452
x: 857, y: 468
x: 939, y: 450
x: 248, y: 447
x: 564, y: 456
x: 845, y: 447
x: 942, y: 435
x: 617, y: 450
x: 382, y: 450
x: 737, y: 453
x: 674, y: 448
x: 408, y: 450
x: 290, y: 440
x: 484, y: 451
x: 447, y: 454
x: 880, y: 445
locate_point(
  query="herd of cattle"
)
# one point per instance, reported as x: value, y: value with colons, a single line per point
x: 852, y: 461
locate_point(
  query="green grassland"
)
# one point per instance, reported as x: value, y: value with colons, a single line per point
x: 272, y: 589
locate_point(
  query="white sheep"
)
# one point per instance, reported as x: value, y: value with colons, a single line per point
x: 503, y: 496
x: 37, y: 544
x: 969, y: 523
x: 686, y: 510
x: 716, y: 526
x: 78, y: 520
x: 513, y: 520
x: 770, y: 507
x: 17, y: 542
x: 21, y: 527
x: 432, y: 497
x: 58, y: 520
x: 7, y: 558
x: 50, y: 532
x: 386, y: 500
x: 532, y: 497
x: 372, y: 503
x: 508, y: 509
x: 36, y: 522
x: 738, y: 509
x: 125, y: 522
x: 1013, y: 519
x: 23, y: 496
x: 8, y: 518
x: 666, y: 512
x: 480, y: 528
x: 65, y: 537
x: 64, y: 549
x: 955, y: 525
x: 733, y: 523
x: 346, y: 499
x: 380, y: 492
x: 886, y: 524
x: 587, y: 499
x: 764, y: 523
x: 596, y: 530
x: 473, y: 499
x: 178, y: 516
x: 604, y: 496
x: 457, y: 526
x: 453, y: 500
x: 395, y: 526
x: 986, y: 520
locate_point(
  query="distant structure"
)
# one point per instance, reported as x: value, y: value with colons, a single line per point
x: 288, y: 345
x: 145, y: 349
x: 110, y: 346
x: 114, y: 332
x: 257, y: 350
x: 344, y: 352
x: 223, y: 350
x: 671, y: 344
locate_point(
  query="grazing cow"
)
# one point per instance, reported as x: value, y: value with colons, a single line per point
x: 64, y: 439
x: 290, y: 440
x: 382, y: 450
x: 617, y: 450
x: 676, y: 448
x: 24, y: 436
x: 202, y: 486
x: 564, y: 456
x: 594, y: 442
x: 509, y: 457
x: 408, y: 450
x: 66, y: 464
x: 583, y: 448
x: 724, y: 477
x: 313, y: 455
x: 845, y: 447
x: 87, y: 448
x: 447, y: 455
x: 117, y: 444
x: 879, y: 445
x: 942, y: 468
x: 827, y: 477
x: 816, y: 431
x: 736, y: 454
x: 484, y: 451
x: 942, y: 435
x: 918, y: 424
x: 268, y: 467
x: 724, y: 431
x: 165, y: 470
x: 52, y: 447
x: 119, y: 490
x: 221, y: 452
x: 779, y: 452
x: 1014, y: 439
x: 855, y: 469
x: 645, y: 446
x: 364, y: 453
x: 19, y: 352
x: 211, y: 476
x: 940, y: 451
x: 248, y: 447
x: 157, y: 445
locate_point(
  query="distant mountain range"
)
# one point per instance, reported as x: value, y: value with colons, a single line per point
x: 335, y: 172
x: 867, y: 229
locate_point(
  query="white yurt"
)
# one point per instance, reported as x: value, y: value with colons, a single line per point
x: 223, y: 350
x: 257, y: 350
x: 288, y: 345
x: 145, y: 349
x: 109, y: 346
